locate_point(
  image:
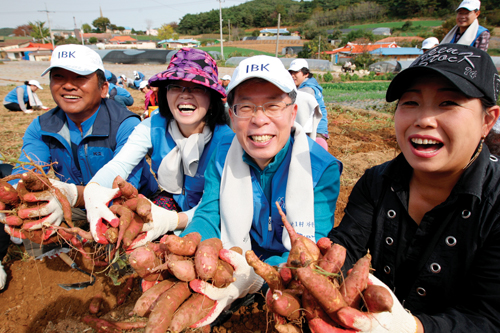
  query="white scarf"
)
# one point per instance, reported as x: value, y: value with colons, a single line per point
x: 236, y: 195
x: 183, y: 159
x: 467, y: 37
x: 308, y: 113
x: 33, y: 98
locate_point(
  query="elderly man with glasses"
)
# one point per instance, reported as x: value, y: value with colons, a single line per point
x: 270, y: 162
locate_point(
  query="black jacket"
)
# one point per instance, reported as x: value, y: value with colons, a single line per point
x: 446, y: 271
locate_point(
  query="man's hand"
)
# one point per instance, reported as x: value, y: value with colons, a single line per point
x: 397, y: 320
x: 246, y: 281
x: 50, y: 213
x: 97, y: 199
x: 161, y: 222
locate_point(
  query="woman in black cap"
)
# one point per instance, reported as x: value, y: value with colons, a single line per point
x: 430, y: 218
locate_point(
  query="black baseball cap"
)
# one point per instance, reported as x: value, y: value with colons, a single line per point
x: 470, y: 69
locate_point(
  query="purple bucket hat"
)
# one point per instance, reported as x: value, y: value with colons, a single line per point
x: 191, y: 65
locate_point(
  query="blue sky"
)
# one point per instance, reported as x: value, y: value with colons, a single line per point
x: 135, y: 14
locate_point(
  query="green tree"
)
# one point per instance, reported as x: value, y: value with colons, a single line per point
x: 39, y: 31
x: 93, y: 40
x: 60, y: 40
x: 165, y: 32
x: 101, y: 23
x: 86, y: 28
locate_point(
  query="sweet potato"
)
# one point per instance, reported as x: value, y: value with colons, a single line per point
x: 324, y: 244
x: 21, y: 189
x: 131, y: 204
x: 127, y: 190
x: 223, y: 275
x: 8, y: 194
x: 125, y: 291
x: 285, y: 304
x: 35, y: 182
x: 143, y: 260
x: 349, y: 316
x: 300, y: 244
x: 287, y: 328
x: 144, y: 304
x: 185, y: 246
x: 132, y: 231
x: 206, y: 258
x: 286, y: 275
x: 95, y: 304
x: 333, y: 259
x: 126, y: 216
x: 356, y: 282
x: 377, y: 299
x: 161, y: 315
x: 266, y: 271
x: 101, y: 325
x: 237, y: 249
x: 317, y: 320
x: 182, y: 270
x: 322, y: 289
x: 13, y: 220
x: 194, y: 309
x: 111, y: 235
x: 144, y: 207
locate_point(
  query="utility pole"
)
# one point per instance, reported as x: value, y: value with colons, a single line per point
x: 48, y: 20
x: 220, y: 24
x: 319, y: 46
x: 278, y: 34
x: 229, y: 29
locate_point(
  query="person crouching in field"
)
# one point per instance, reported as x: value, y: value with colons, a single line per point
x: 430, y: 218
x: 270, y: 160
x: 24, y: 98
x: 77, y: 137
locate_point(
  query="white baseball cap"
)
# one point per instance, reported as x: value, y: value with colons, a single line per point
x: 298, y: 64
x: 470, y: 5
x: 143, y: 84
x: 429, y: 43
x: 226, y: 77
x: 75, y: 58
x: 264, y: 67
x: 35, y: 83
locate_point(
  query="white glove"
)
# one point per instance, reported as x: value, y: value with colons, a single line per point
x: 53, y: 209
x: 397, y: 320
x: 3, y: 277
x: 97, y: 199
x: 246, y: 281
x: 163, y: 221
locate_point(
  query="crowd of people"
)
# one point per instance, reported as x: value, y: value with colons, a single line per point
x: 224, y: 150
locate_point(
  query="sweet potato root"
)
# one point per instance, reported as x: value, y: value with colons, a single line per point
x: 111, y: 235
x: 144, y: 304
x: 266, y: 271
x: 101, y: 325
x: 356, y: 282
x: 285, y: 304
x: 125, y: 291
x: 8, y: 194
x: 161, y: 315
x: 194, y: 309
x: 95, y: 304
x: 133, y: 230
x: 182, y: 269
x: 126, y: 216
x: 143, y: 260
x: 127, y: 190
x: 333, y: 259
x: 377, y: 299
x: 324, y: 244
x: 35, y: 182
x: 185, y: 246
x: 206, y: 258
x: 223, y: 275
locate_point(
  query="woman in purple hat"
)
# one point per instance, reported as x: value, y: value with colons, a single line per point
x: 180, y: 139
x: 430, y: 218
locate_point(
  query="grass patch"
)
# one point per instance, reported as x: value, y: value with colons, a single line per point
x: 431, y: 23
x: 235, y: 51
x: 343, y: 92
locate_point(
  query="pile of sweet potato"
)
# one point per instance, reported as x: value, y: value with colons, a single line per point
x: 311, y: 285
x: 167, y: 268
x: 20, y: 205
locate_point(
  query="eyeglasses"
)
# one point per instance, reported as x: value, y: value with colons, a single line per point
x: 176, y: 89
x: 270, y: 109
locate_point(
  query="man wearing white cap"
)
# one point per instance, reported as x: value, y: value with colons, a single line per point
x: 77, y: 137
x: 24, y: 98
x: 468, y: 31
x: 270, y: 160
x: 429, y: 43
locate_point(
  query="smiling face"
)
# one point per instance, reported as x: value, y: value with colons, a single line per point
x: 189, y: 108
x: 298, y: 77
x: 437, y: 127
x: 465, y: 18
x: 78, y: 95
x: 260, y: 136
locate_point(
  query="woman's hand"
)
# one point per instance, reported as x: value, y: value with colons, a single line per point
x: 97, y: 199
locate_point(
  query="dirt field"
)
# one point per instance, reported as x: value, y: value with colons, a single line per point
x: 33, y: 301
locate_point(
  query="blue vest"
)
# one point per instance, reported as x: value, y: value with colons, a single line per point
x: 318, y: 94
x: 266, y: 244
x: 12, y: 95
x: 119, y: 90
x: 480, y: 30
x: 163, y: 143
x: 94, y: 151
